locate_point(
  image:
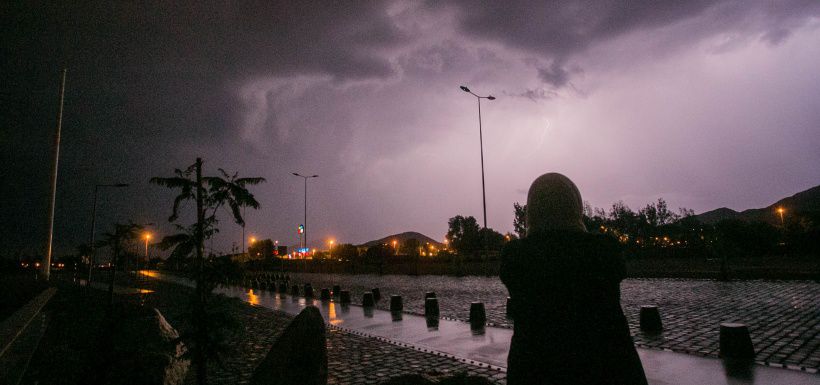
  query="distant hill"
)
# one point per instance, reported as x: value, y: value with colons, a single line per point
x: 423, y: 239
x: 804, y: 201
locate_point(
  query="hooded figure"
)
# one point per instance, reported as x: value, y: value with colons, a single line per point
x: 564, y: 285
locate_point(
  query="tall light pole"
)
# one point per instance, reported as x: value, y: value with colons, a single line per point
x: 305, y: 222
x: 330, y: 249
x: 481, y: 143
x: 147, y: 238
x: 54, y: 167
x: 780, y: 211
x: 93, y: 223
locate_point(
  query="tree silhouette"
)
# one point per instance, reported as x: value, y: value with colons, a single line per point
x: 210, y: 194
x: 118, y: 240
x: 520, y: 219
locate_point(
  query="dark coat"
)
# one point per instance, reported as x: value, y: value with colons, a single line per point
x: 569, y: 326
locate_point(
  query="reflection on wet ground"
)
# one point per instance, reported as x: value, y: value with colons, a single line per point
x: 782, y: 315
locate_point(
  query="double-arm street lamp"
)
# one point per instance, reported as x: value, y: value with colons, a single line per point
x: 481, y: 143
x: 305, y: 223
x: 93, y: 224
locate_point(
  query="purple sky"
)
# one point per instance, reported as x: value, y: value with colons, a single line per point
x: 706, y: 104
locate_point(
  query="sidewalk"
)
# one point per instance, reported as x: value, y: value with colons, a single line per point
x: 455, y: 339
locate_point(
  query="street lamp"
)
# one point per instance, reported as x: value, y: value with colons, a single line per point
x: 305, y: 223
x: 481, y: 145
x: 93, y: 223
x: 330, y: 249
x: 780, y: 211
x: 147, y: 238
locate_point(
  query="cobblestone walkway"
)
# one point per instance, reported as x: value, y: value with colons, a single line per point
x: 352, y: 359
x: 783, y: 316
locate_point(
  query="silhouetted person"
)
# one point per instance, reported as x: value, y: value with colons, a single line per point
x: 565, y: 289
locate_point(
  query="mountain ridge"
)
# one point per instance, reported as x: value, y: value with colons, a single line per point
x: 804, y: 201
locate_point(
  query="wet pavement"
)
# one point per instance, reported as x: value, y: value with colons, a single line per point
x: 783, y: 316
x: 353, y: 359
x: 488, y: 349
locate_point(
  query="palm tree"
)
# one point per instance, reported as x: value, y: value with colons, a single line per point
x: 118, y: 240
x: 210, y: 194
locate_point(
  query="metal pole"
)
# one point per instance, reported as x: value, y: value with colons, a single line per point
x: 54, y: 168
x: 91, y: 244
x: 305, y: 245
x: 481, y: 144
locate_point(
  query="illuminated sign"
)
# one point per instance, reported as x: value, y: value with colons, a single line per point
x: 301, y: 229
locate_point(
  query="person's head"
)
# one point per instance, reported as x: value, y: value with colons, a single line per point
x: 554, y: 203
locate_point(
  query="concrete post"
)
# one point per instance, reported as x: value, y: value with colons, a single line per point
x: 396, y: 303
x: 431, y: 308
x: 344, y: 296
x: 735, y: 341
x: 367, y: 300
x: 651, y: 319
x: 478, y: 317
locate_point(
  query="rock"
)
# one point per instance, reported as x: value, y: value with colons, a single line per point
x: 146, y: 350
x: 299, y: 356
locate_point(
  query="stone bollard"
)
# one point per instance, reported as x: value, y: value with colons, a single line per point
x: 308, y: 290
x: 432, y: 323
x: 294, y: 290
x: 509, y: 307
x: 431, y: 308
x: 430, y: 294
x: 396, y: 303
x: 344, y: 296
x: 651, y: 319
x: 367, y: 300
x: 368, y: 311
x: 337, y: 290
x: 735, y: 341
x: 477, y: 315
x: 396, y: 316
x: 325, y: 294
x: 377, y: 295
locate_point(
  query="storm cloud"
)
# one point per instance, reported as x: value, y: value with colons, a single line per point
x: 692, y: 101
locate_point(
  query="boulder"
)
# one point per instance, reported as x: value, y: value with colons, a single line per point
x: 299, y: 356
x: 146, y: 350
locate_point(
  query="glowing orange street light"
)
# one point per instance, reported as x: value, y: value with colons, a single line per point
x: 780, y: 211
x: 147, y: 238
x: 330, y: 249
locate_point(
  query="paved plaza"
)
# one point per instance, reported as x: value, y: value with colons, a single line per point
x: 352, y: 359
x: 783, y: 316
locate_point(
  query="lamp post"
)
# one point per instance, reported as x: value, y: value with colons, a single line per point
x: 330, y: 249
x: 304, y: 238
x: 93, y: 223
x: 251, y: 241
x: 481, y: 145
x: 780, y: 211
x: 147, y: 238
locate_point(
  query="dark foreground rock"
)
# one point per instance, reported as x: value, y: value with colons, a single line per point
x: 299, y: 356
x: 145, y: 350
